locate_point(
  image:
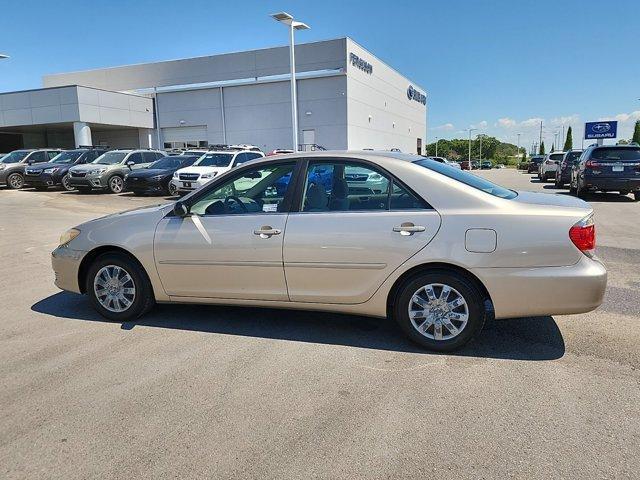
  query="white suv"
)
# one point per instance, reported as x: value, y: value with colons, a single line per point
x: 208, y: 166
x: 549, y: 165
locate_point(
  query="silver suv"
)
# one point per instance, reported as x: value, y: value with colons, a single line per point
x: 108, y: 170
x: 12, y: 164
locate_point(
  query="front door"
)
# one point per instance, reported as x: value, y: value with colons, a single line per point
x: 355, y: 226
x: 230, y: 245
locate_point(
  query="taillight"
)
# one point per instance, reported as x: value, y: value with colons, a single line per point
x: 591, y: 164
x: 583, y: 235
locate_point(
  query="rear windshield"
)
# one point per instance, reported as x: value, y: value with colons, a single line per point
x: 572, y: 157
x: 556, y: 156
x: 616, y: 154
x: 468, y: 179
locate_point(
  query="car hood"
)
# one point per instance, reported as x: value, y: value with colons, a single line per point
x: 160, y: 209
x: 201, y: 170
x: 91, y: 166
x: 150, y: 172
x: 551, y: 199
x: 43, y: 166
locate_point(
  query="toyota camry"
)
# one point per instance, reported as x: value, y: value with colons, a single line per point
x: 435, y: 248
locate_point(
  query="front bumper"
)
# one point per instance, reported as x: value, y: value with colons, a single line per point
x: 88, y: 181
x: 182, y: 187
x: 145, y: 186
x: 542, y: 291
x: 66, y: 264
x: 42, y: 180
x: 612, y: 183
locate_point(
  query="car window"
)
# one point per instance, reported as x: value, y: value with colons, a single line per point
x: 616, y: 154
x: 556, y: 156
x: 344, y: 186
x: 52, y: 153
x: 136, y: 158
x: 37, y: 157
x: 258, y: 190
x: 467, y: 178
x: 149, y: 157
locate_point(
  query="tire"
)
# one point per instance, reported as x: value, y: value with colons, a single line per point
x: 65, y: 183
x: 580, y: 193
x: 15, y: 181
x: 116, y: 184
x: 140, y: 301
x: 172, y: 190
x: 636, y: 196
x: 460, y: 287
x: 558, y: 183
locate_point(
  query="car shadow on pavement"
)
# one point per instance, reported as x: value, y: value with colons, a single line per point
x: 516, y: 339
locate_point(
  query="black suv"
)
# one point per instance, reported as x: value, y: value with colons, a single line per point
x: 56, y: 171
x: 563, y: 172
x: 156, y: 178
x: 608, y: 168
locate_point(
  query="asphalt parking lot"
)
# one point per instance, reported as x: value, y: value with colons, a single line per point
x: 197, y: 391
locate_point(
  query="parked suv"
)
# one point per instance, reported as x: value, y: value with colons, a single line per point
x: 534, y: 163
x: 549, y: 165
x: 563, y: 173
x: 208, y: 166
x: 13, y: 164
x: 108, y: 170
x: 56, y: 171
x: 607, y: 168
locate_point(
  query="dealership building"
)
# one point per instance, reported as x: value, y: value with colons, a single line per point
x: 347, y: 99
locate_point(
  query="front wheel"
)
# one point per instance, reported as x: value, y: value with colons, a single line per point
x: 15, y: 181
x: 118, y: 287
x: 116, y: 184
x: 440, y: 310
x: 66, y: 184
x: 172, y: 189
x: 559, y: 183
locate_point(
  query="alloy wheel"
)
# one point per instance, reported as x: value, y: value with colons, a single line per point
x: 65, y: 183
x: 16, y: 181
x: 438, y: 311
x: 173, y: 190
x: 116, y: 184
x: 114, y: 288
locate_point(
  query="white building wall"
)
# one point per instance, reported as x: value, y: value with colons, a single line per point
x: 380, y: 115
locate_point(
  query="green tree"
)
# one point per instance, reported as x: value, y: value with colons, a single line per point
x: 636, y: 133
x: 568, y: 143
x: 542, y: 152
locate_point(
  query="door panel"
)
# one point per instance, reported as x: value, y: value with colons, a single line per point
x: 224, y: 258
x: 344, y: 257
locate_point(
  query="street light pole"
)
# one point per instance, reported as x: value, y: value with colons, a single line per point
x: 437, y: 140
x: 518, y: 150
x: 287, y: 19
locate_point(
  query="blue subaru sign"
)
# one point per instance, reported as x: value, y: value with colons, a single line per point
x: 594, y: 130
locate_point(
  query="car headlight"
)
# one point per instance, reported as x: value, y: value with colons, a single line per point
x: 50, y: 170
x: 69, y: 235
x: 208, y: 175
x: 2, y: 166
x: 97, y: 171
x: 175, y: 175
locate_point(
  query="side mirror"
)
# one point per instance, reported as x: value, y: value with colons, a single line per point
x: 130, y: 164
x: 180, y: 209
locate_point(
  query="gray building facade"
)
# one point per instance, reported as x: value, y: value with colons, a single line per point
x: 347, y: 99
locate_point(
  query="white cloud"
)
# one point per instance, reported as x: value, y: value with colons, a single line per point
x: 447, y: 127
x: 624, y: 117
x: 531, y: 122
x: 570, y: 120
x: 507, y: 122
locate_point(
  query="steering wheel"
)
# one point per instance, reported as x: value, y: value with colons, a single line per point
x: 227, y: 203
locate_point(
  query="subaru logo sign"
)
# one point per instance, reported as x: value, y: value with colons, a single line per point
x: 596, y: 130
x: 413, y: 94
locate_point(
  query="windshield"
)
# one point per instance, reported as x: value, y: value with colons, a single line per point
x: 15, y: 157
x: 215, y: 160
x: 66, y: 157
x: 110, y: 158
x: 172, y: 163
x: 468, y: 179
x: 616, y: 154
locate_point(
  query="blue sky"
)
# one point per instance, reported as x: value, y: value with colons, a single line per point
x: 497, y: 65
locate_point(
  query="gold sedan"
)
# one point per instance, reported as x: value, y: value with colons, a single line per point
x: 368, y: 233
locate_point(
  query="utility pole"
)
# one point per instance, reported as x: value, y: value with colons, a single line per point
x: 540, y: 134
x: 470, y: 130
x: 437, y: 140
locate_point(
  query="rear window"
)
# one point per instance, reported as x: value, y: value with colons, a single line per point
x: 616, y: 154
x: 468, y: 179
x: 572, y: 157
x: 556, y: 156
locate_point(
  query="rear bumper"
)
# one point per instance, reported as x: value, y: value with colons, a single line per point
x: 66, y: 264
x: 609, y: 183
x: 541, y: 291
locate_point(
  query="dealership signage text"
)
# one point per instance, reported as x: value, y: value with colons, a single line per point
x: 358, y: 62
x: 414, y: 94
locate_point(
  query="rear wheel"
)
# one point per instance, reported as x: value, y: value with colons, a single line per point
x: 580, y: 192
x: 116, y: 184
x: 15, y: 181
x: 559, y: 183
x: 636, y: 196
x: 118, y: 287
x: 440, y: 310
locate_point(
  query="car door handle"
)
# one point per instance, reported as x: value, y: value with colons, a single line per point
x: 408, y: 228
x: 267, y: 231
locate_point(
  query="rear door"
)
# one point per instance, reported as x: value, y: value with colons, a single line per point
x: 354, y: 225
